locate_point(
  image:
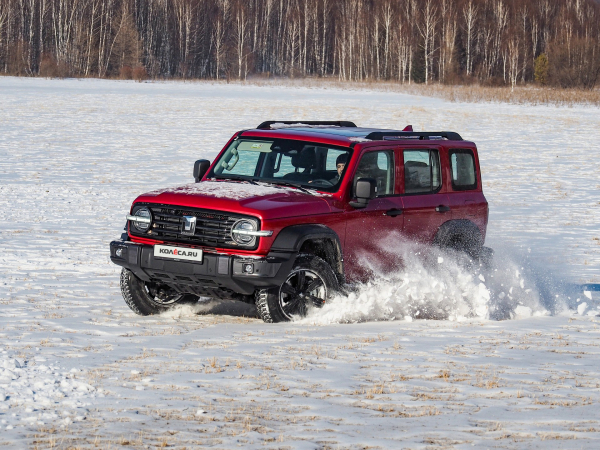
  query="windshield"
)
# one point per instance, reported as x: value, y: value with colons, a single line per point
x: 283, y: 161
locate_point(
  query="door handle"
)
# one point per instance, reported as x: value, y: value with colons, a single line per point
x: 442, y: 208
x: 393, y: 212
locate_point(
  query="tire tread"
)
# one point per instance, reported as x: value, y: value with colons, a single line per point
x: 134, y: 294
x: 262, y: 305
x: 127, y: 294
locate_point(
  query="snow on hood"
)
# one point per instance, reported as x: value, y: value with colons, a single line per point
x: 267, y: 201
x: 223, y: 189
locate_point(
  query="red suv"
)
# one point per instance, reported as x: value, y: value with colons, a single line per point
x: 288, y: 212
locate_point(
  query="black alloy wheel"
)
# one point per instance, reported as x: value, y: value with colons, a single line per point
x: 302, y: 289
x: 309, y: 285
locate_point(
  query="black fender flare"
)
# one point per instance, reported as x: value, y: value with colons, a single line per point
x: 289, y: 242
x: 461, y: 235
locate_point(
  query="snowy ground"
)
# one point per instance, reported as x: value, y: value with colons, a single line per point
x: 77, y: 368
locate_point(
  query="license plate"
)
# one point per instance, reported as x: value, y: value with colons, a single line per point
x: 185, y: 253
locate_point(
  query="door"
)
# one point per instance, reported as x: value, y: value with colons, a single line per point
x: 371, y: 231
x: 425, y: 208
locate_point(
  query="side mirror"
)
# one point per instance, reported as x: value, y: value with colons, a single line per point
x: 365, y: 190
x: 200, y: 168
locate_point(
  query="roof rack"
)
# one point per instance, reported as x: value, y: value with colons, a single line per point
x: 338, y: 123
x: 382, y: 135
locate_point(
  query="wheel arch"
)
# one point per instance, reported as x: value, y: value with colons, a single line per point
x: 314, y: 239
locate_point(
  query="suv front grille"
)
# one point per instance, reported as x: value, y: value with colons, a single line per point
x: 213, y: 228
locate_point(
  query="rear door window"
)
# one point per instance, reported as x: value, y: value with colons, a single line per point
x: 421, y: 171
x: 464, y: 175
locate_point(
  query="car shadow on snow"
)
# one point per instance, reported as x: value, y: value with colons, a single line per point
x: 225, y: 308
x: 216, y: 307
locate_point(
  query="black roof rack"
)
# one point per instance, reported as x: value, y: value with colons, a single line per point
x: 381, y: 135
x: 338, y: 123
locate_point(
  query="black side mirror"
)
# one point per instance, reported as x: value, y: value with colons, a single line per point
x: 365, y: 190
x: 200, y: 168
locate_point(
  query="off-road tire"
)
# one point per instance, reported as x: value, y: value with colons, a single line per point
x: 460, y: 236
x: 486, y: 258
x: 137, y: 297
x: 268, y: 302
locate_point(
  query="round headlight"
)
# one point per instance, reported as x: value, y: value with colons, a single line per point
x: 146, y: 214
x: 240, y: 230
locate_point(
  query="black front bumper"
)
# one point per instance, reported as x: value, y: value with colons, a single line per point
x: 217, y: 275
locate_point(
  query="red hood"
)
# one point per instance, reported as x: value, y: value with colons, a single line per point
x: 264, y: 201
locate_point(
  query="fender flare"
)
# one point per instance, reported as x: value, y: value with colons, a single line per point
x: 460, y: 234
x: 289, y: 241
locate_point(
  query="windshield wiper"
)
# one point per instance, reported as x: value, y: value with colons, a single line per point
x: 287, y: 183
x: 236, y: 178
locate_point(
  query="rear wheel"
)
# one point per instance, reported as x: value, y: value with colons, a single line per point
x: 486, y: 258
x: 460, y: 236
x: 310, y: 283
x: 147, y: 298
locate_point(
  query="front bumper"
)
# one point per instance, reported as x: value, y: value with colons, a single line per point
x: 217, y: 275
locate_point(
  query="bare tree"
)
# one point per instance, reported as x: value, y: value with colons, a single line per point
x: 241, y: 35
x: 387, y: 26
x: 512, y: 56
x: 407, y: 40
x: 219, y: 34
x: 448, y: 36
x: 426, y: 27
x: 470, y: 17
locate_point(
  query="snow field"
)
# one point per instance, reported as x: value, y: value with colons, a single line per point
x: 32, y: 386
x: 79, y: 368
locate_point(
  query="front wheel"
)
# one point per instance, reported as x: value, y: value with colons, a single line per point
x: 310, y: 283
x: 147, y: 298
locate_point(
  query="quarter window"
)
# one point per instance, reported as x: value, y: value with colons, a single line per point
x: 421, y: 171
x: 464, y: 176
x: 380, y: 166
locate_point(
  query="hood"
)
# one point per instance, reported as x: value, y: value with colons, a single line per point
x: 265, y: 201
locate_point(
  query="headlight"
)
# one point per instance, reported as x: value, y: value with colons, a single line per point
x: 244, y: 232
x: 145, y: 215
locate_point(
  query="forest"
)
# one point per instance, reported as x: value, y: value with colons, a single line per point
x: 490, y: 42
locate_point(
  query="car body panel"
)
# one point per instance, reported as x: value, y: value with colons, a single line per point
x: 262, y: 201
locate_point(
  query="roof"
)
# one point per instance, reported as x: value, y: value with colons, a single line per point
x: 341, y: 133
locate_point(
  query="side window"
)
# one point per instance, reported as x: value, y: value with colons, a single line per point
x: 380, y: 166
x: 421, y: 171
x: 464, y: 176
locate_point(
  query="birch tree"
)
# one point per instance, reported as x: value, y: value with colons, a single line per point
x: 470, y: 17
x: 426, y: 28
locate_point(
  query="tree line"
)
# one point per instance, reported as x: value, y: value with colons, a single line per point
x: 493, y: 42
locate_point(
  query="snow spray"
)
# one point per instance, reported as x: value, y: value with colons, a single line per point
x: 430, y: 283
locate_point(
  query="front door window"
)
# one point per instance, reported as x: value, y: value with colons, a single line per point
x: 379, y: 166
